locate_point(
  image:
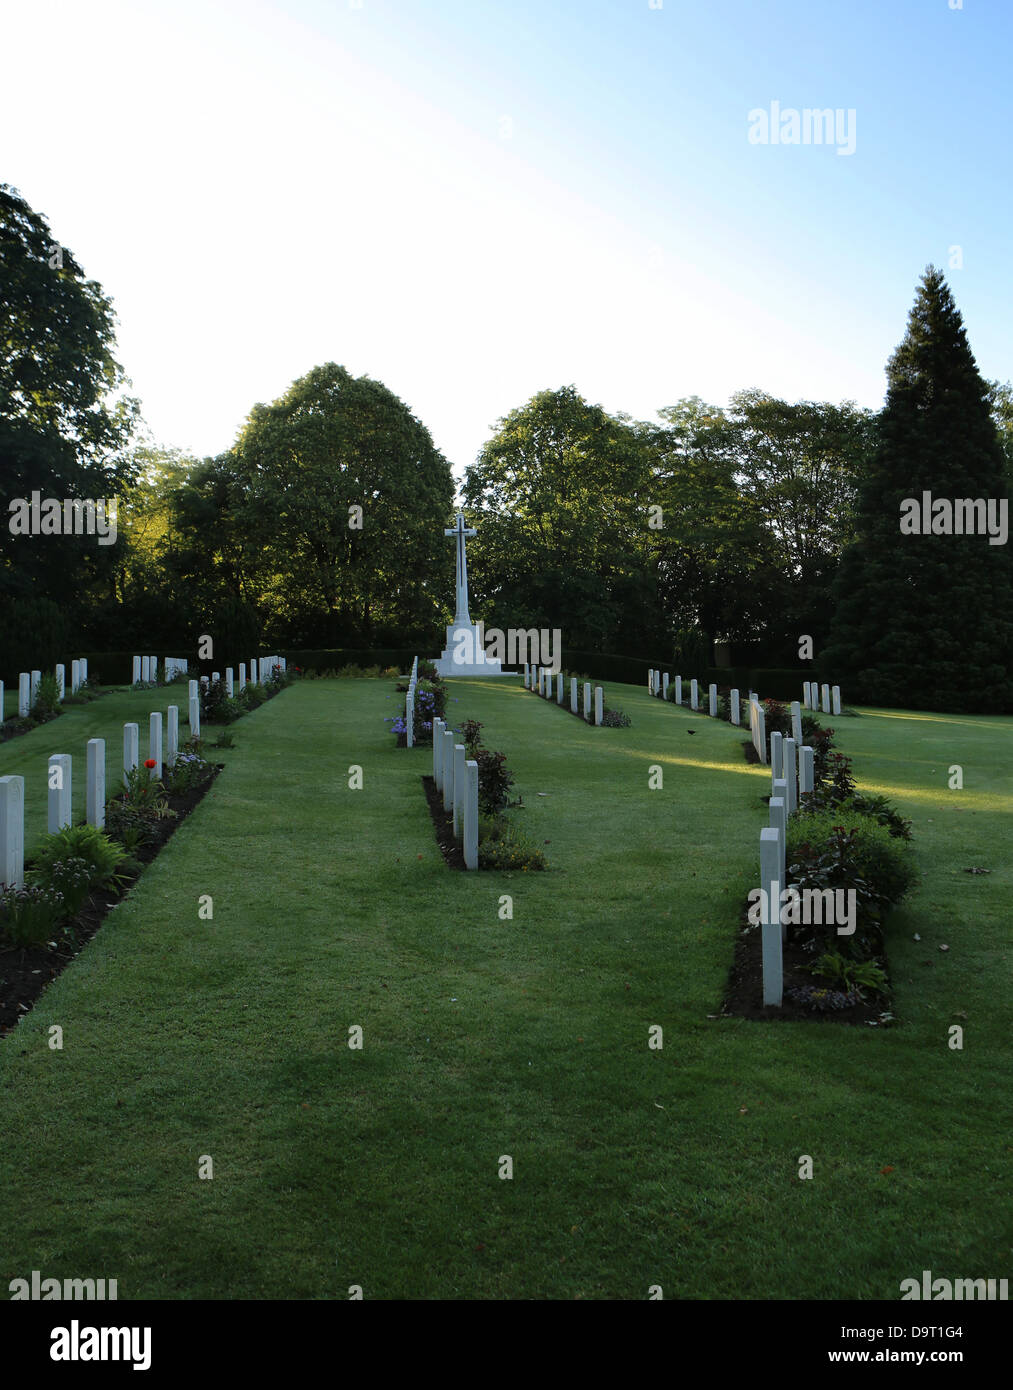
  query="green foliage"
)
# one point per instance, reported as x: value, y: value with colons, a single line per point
x: 190, y: 770
x: 503, y: 846
x: 47, y: 698
x: 270, y: 519
x: 470, y: 732
x: 71, y: 878
x: 30, y: 916
x: 556, y: 495
x: 880, y: 808
x: 615, y: 719
x: 851, y: 974
x: 494, y: 780
x: 63, y: 428
x: 83, y: 843
x: 842, y: 849
x: 927, y: 620
x: 36, y: 631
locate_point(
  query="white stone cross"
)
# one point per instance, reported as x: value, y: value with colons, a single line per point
x: 460, y: 531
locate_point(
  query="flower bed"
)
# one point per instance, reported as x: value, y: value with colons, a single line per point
x: 81, y: 873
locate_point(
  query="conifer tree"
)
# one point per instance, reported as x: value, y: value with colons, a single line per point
x: 926, y: 620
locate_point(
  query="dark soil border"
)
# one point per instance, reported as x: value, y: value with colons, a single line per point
x: 443, y: 824
x: 744, y: 991
x: 26, y: 972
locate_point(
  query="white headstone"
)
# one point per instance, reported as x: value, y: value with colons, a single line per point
x: 712, y: 701
x: 61, y: 685
x: 471, y: 815
x: 736, y: 712
x: 194, y: 718
x: 172, y: 736
x: 75, y: 677
x: 527, y: 681
x: 95, y: 799
x: 145, y: 667
x: 559, y: 687
x: 650, y: 681
x: 242, y: 675
x: 229, y: 682
x: 24, y: 694
x: 155, y: 742
x: 193, y: 692
x: 678, y: 690
x: 694, y: 694
x: 790, y: 765
x: 835, y: 696
x: 826, y: 699
x: 12, y: 831
x: 84, y: 670
x: 761, y: 732
x: 573, y: 694
x: 805, y: 771
x: 805, y: 694
x: 775, y: 755
x: 409, y: 717
x: 779, y: 820
x: 36, y: 682
x: 60, y: 773
x: 438, y: 752
x: 770, y: 926
x: 587, y: 702
x: 460, y: 758
x: 216, y: 677
x: 448, y: 769
x: 130, y: 745
x: 599, y: 701
x: 664, y: 686
x: 796, y: 721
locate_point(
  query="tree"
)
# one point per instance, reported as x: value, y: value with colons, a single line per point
x: 924, y: 620
x: 720, y: 569
x: 63, y: 429
x: 559, y: 495
x: 340, y: 499
x: 799, y: 462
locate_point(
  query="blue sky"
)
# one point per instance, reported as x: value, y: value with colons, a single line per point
x: 476, y: 201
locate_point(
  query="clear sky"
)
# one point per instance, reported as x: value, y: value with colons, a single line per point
x: 475, y: 200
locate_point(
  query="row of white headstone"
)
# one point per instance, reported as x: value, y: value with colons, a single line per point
x: 658, y: 683
x: 790, y: 782
x: 539, y: 680
x: 29, y: 682
x: 825, y: 699
x: 409, y: 709
x: 456, y: 776
x: 60, y: 781
x: 146, y: 669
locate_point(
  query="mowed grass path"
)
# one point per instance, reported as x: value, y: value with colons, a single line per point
x: 486, y: 1037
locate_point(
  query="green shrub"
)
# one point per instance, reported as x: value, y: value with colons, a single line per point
x: 71, y: 878
x: 881, y: 810
x: 47, y: 698
x: 80, y: 842
x: 190, y: 770
x: 504, y: 847
x: 851, y: 974
x: 30, y: 916
x: 494, y: 780
x: 847, y: 850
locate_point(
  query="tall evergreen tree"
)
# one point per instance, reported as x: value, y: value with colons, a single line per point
x: 926, y: 620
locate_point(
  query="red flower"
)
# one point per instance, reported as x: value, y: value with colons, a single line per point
x: 150, y: 762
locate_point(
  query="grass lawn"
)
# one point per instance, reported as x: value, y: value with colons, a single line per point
x: 528, y: 1037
